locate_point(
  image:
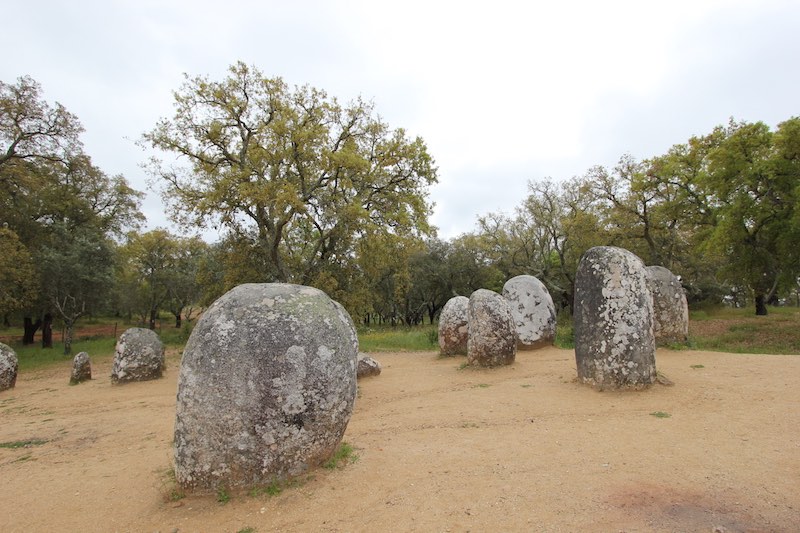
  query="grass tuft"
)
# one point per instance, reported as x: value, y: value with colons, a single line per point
x: 660, y: 414
x: 344, y: 455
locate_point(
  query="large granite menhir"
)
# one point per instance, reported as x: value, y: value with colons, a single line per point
x: 138, y: 356
x: 614, y: 340
x: 670, y: 309
x: 492, y: 336
x: 266, y: 387
x: 533, y: 311
x: 453, y: 326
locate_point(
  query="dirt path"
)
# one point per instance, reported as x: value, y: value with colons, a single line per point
x: 521, y: 448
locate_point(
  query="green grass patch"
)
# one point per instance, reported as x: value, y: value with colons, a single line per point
x: 344, y: 455
x: 22, y: 443
x: 741, y: 331
x: 565, y: 332
x: 33, y: 356
x: 697, y: 366
x: 481, y: 386
x: 660, y: 414
x: 398, y: 339
x: 246, y: 530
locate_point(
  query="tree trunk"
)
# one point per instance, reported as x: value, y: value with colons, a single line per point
x: 30, y: 328
x: 177, y: 320
x: 68, y: 325
x: 47, y: 331
x: 153, y: 315
x: 6, y: 322
x: 761, y: 307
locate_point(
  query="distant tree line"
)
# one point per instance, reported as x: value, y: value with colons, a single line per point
x: 307, y: 190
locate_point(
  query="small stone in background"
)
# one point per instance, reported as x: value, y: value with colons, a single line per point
x: 367, y: 366
x: 81, y: 369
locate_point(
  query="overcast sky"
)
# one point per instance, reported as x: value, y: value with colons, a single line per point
x: 503, y: 92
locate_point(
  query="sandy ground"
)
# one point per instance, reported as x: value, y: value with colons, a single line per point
x: 520, y: 448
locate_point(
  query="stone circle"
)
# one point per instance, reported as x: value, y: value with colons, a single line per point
x: 138, y: 356
x: 492, y: 335
x: 614, y: 340
x: 453, y: 326
x: 533, y: 311
x: 266, y: 387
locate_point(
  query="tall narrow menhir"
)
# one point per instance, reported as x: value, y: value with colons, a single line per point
x: 614, y: 340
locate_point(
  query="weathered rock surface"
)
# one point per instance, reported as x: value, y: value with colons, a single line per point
x: 9, y: 365
x: 139, y: 356
x: 533, y: 310
x: 614, y: 340
x: 492, y: 334
x: 670, y: 309
x: 367, y: 366
x: 453, y: 326
x: 81, y: 369
x: 266, y: 387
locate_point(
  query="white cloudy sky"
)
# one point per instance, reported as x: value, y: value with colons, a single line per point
x: 502, y: 91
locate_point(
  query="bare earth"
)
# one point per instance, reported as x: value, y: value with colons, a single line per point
x: 520, y: 448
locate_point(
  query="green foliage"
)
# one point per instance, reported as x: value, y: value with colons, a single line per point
x: 344, y: 455
x: 660, y: 414
x: 18, y: 286
x: 565, y: 332
x: 294, y: 175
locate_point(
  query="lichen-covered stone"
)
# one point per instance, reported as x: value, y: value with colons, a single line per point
x: 614, y: 340
x: 9, y: 365
x: 367, y: 366
x: 81, y: 369
x: 533, y: 310
x: 670, y: 309
x: 453, y: 327
x: 492, y: 335
x: 139, y: 356
x: 266, y: 387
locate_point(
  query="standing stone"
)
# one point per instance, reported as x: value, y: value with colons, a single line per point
x: 9, y: 365
x: 266, y: 387
x: 533, y: 311
x: 614, y: 341
x: 139, y: 356
x: 81, y: 369
x: 670, y: 309
x: 492, y: 335
x: 453, y: 326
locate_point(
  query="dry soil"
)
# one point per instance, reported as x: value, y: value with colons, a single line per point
x: 440, y: 448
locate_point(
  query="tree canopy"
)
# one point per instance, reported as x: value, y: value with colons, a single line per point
x: 292, y: 171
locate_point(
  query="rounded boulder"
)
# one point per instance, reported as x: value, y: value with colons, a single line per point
x: 453, y: 326
x: 138, y: 356
x: 533, y: 311
x: 266, y: 387
x: 9, y: 365
x: 492, y: 334
x: 670, y: 309
x: 614, y: 340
